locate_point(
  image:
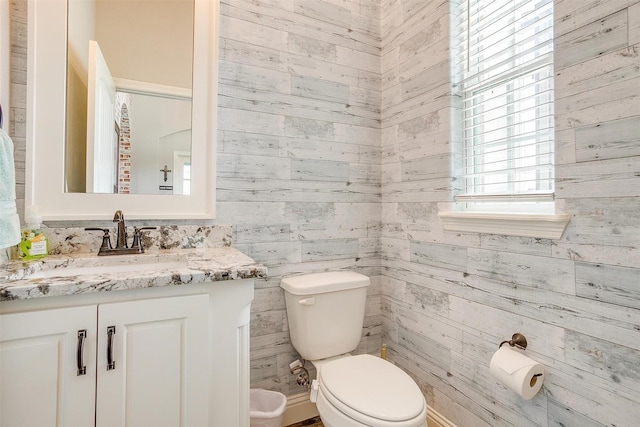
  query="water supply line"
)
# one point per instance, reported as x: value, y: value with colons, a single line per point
x: 297, y: 368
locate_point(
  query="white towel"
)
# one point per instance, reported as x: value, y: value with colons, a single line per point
x: 9, y: 220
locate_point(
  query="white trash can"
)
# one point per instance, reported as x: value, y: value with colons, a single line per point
x: 266, y: 408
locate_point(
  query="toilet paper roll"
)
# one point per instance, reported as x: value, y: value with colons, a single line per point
x: 516, y: 371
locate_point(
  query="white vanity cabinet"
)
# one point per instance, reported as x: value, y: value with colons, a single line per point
x: 170, y: 356
x: 151, y: 358
x: 39, y: 384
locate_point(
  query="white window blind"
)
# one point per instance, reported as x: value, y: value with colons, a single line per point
x: 504, y: 56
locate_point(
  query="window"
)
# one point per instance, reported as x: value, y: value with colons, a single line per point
x: 186, y: 179
x: 182, y: 172
x: 503, y: 68
x: 505, y: 60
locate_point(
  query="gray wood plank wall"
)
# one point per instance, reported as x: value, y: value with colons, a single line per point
x: 448, y: 299
x: 333, y: 152
x: 299, y: 154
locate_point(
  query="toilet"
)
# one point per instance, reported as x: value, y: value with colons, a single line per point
x: 326, y: 314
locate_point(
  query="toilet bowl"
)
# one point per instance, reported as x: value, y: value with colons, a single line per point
x: 325, y: 312
x: 364, y: 390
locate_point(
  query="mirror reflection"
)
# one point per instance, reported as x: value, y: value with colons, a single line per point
x: 128, y: 108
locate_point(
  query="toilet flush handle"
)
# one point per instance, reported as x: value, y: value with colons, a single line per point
x: 307, y: 301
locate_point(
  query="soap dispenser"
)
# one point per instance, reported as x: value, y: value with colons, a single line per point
x: 34, y: 244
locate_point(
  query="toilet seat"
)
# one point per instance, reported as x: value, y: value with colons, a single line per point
x: 372, y: 391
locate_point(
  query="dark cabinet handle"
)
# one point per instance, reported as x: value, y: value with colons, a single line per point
x: 82, y: 369
x: 111, y: 364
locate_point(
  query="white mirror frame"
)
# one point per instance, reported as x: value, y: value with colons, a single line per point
x: 46, y: 100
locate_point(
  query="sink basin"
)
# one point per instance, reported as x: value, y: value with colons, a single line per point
x: 106, y: 269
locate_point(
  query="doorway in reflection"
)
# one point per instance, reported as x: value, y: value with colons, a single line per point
x: 154, y: 143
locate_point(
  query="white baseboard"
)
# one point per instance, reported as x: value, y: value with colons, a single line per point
x: 300, y: 408
x: 435, y: 419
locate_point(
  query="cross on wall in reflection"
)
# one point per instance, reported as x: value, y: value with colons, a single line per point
x: 166, y: 170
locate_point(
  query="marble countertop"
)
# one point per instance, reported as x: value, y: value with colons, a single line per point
x: 86, y: 273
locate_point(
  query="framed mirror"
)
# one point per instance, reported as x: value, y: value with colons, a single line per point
x: 64, y: 179
x: 129, y: 90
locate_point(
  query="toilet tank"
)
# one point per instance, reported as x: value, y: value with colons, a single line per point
x: 325, y: 312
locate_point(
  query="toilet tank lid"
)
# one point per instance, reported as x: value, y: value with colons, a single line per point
x: 330, y: 281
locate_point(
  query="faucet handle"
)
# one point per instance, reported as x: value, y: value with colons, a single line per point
x: 137, y: 242
x: 106, y: 239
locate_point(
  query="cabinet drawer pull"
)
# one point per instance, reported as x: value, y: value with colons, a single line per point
x: 111, y: 364
x: 82, y: 369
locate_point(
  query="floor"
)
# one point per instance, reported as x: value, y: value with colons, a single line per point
x: 313, y: 422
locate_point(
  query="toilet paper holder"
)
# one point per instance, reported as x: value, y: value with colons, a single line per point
x: 517, y: 340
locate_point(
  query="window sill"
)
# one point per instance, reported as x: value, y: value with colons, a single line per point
x: 543, y: 226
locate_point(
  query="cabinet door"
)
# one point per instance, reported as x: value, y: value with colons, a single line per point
x: 40, y: 384
x: 158, y: 351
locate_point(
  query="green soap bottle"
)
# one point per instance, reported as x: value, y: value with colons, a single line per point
x: 34, y: 244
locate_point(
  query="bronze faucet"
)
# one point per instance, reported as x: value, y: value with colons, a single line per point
x: 121, y: 239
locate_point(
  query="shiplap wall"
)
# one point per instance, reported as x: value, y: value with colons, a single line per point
x: 299, y: 154
x: 449, y: 299
x: 302, y: 158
